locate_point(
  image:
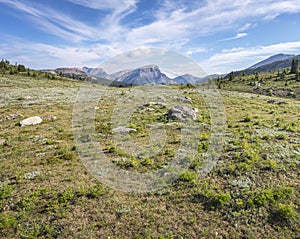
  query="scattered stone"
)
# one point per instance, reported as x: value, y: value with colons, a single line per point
x: 50, y: 118
x: 31, y: 121
x: 277, y: 102
x: 271, y: 101
x: 282, y: 103
x: 182, y: 113
x: 149, y: 109
x: 184, y: 99
x: 31, y: 175
x: 161, y: 98
x: 151, y: 104
x: 40, y: 155
x: 120, y: 160
x: 123, y: 130
x: 241, y: 182
x: 10, y: 117
x: 2, y: 142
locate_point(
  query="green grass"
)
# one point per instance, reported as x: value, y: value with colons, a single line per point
x: 253, y: 192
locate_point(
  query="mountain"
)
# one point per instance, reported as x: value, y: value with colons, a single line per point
x: 98, y: 72
x: 149, y: 74
x: 273, y: 66
x: 74, y: 73
x: 118, y: 76
x: 272, y: 59
x: 187, y: 79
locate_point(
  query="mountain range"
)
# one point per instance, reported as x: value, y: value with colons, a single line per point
x: 273, y: 63
x: 151, y: 74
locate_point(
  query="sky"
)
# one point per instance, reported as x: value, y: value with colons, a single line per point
x: 219, y: 35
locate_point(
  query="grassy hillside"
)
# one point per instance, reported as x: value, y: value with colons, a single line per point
x: 46, y: 192
x: 279, y: 83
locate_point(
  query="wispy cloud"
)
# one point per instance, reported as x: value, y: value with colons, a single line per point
x: 174, y: 24
x: 237, y: 58
x: 237, y: 36
x: 173, y: 21
x: 52, y: 21
x: 40, y: 55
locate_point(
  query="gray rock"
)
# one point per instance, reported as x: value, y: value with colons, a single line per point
x: 241, y: 182
x: 50, y: 118
x: 2, y: 141
x: 161, y: 98
x: 184, y: 99
x: 10, y: 117
x: 154, y: 104
x: 31, y: 175
x: 277, y: 102
x: 31, y: 121
x: 182, y: 113
x: 123, y: 130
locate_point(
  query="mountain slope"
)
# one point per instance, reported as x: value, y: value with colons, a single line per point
x: 274, y: 66
x: 187, y: 79
x: 272, y: 59
x: 98, y: 72
x: 71, y: 73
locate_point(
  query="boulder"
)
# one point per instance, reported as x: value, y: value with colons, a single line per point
x: 182, y: 113
x: 31, y: 121
x: 184, y: 99
x: 2, y: 142
x: 123, y: 130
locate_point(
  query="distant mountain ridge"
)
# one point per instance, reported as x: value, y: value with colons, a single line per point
x: 272, y: 59
x: 270, y: 64
x: 149, y: 74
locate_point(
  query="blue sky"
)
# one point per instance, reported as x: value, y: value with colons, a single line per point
x: 219, y: 35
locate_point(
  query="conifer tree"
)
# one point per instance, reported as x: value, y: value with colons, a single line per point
x: 295, y: 65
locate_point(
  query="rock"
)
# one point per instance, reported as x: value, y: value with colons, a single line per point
x: 31, y: 175
x: 152, y: 104
x: 182, y: 113
x: 2, y: 142
x: 161, y: 98
x: 123, y: 130
x: 271, y: 101
x: 241, y: 182
x: 277, y: 102
x: 10, y: 117
x: 31, y: 121
x: 184, y: 99
x: 282, y: 103
x: 50, y: 118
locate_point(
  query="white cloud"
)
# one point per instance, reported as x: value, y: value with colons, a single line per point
x: 238, y: 58
x: 52, y: 21
x: 119, y: 5
x: 237, y: 36
x: 193, y: 51
x: 40, y: 56
x: 175, y: 24
x: 175, y: 21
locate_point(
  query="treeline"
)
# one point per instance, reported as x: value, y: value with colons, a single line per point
x: 6, y: 67
x: 258, y: 78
